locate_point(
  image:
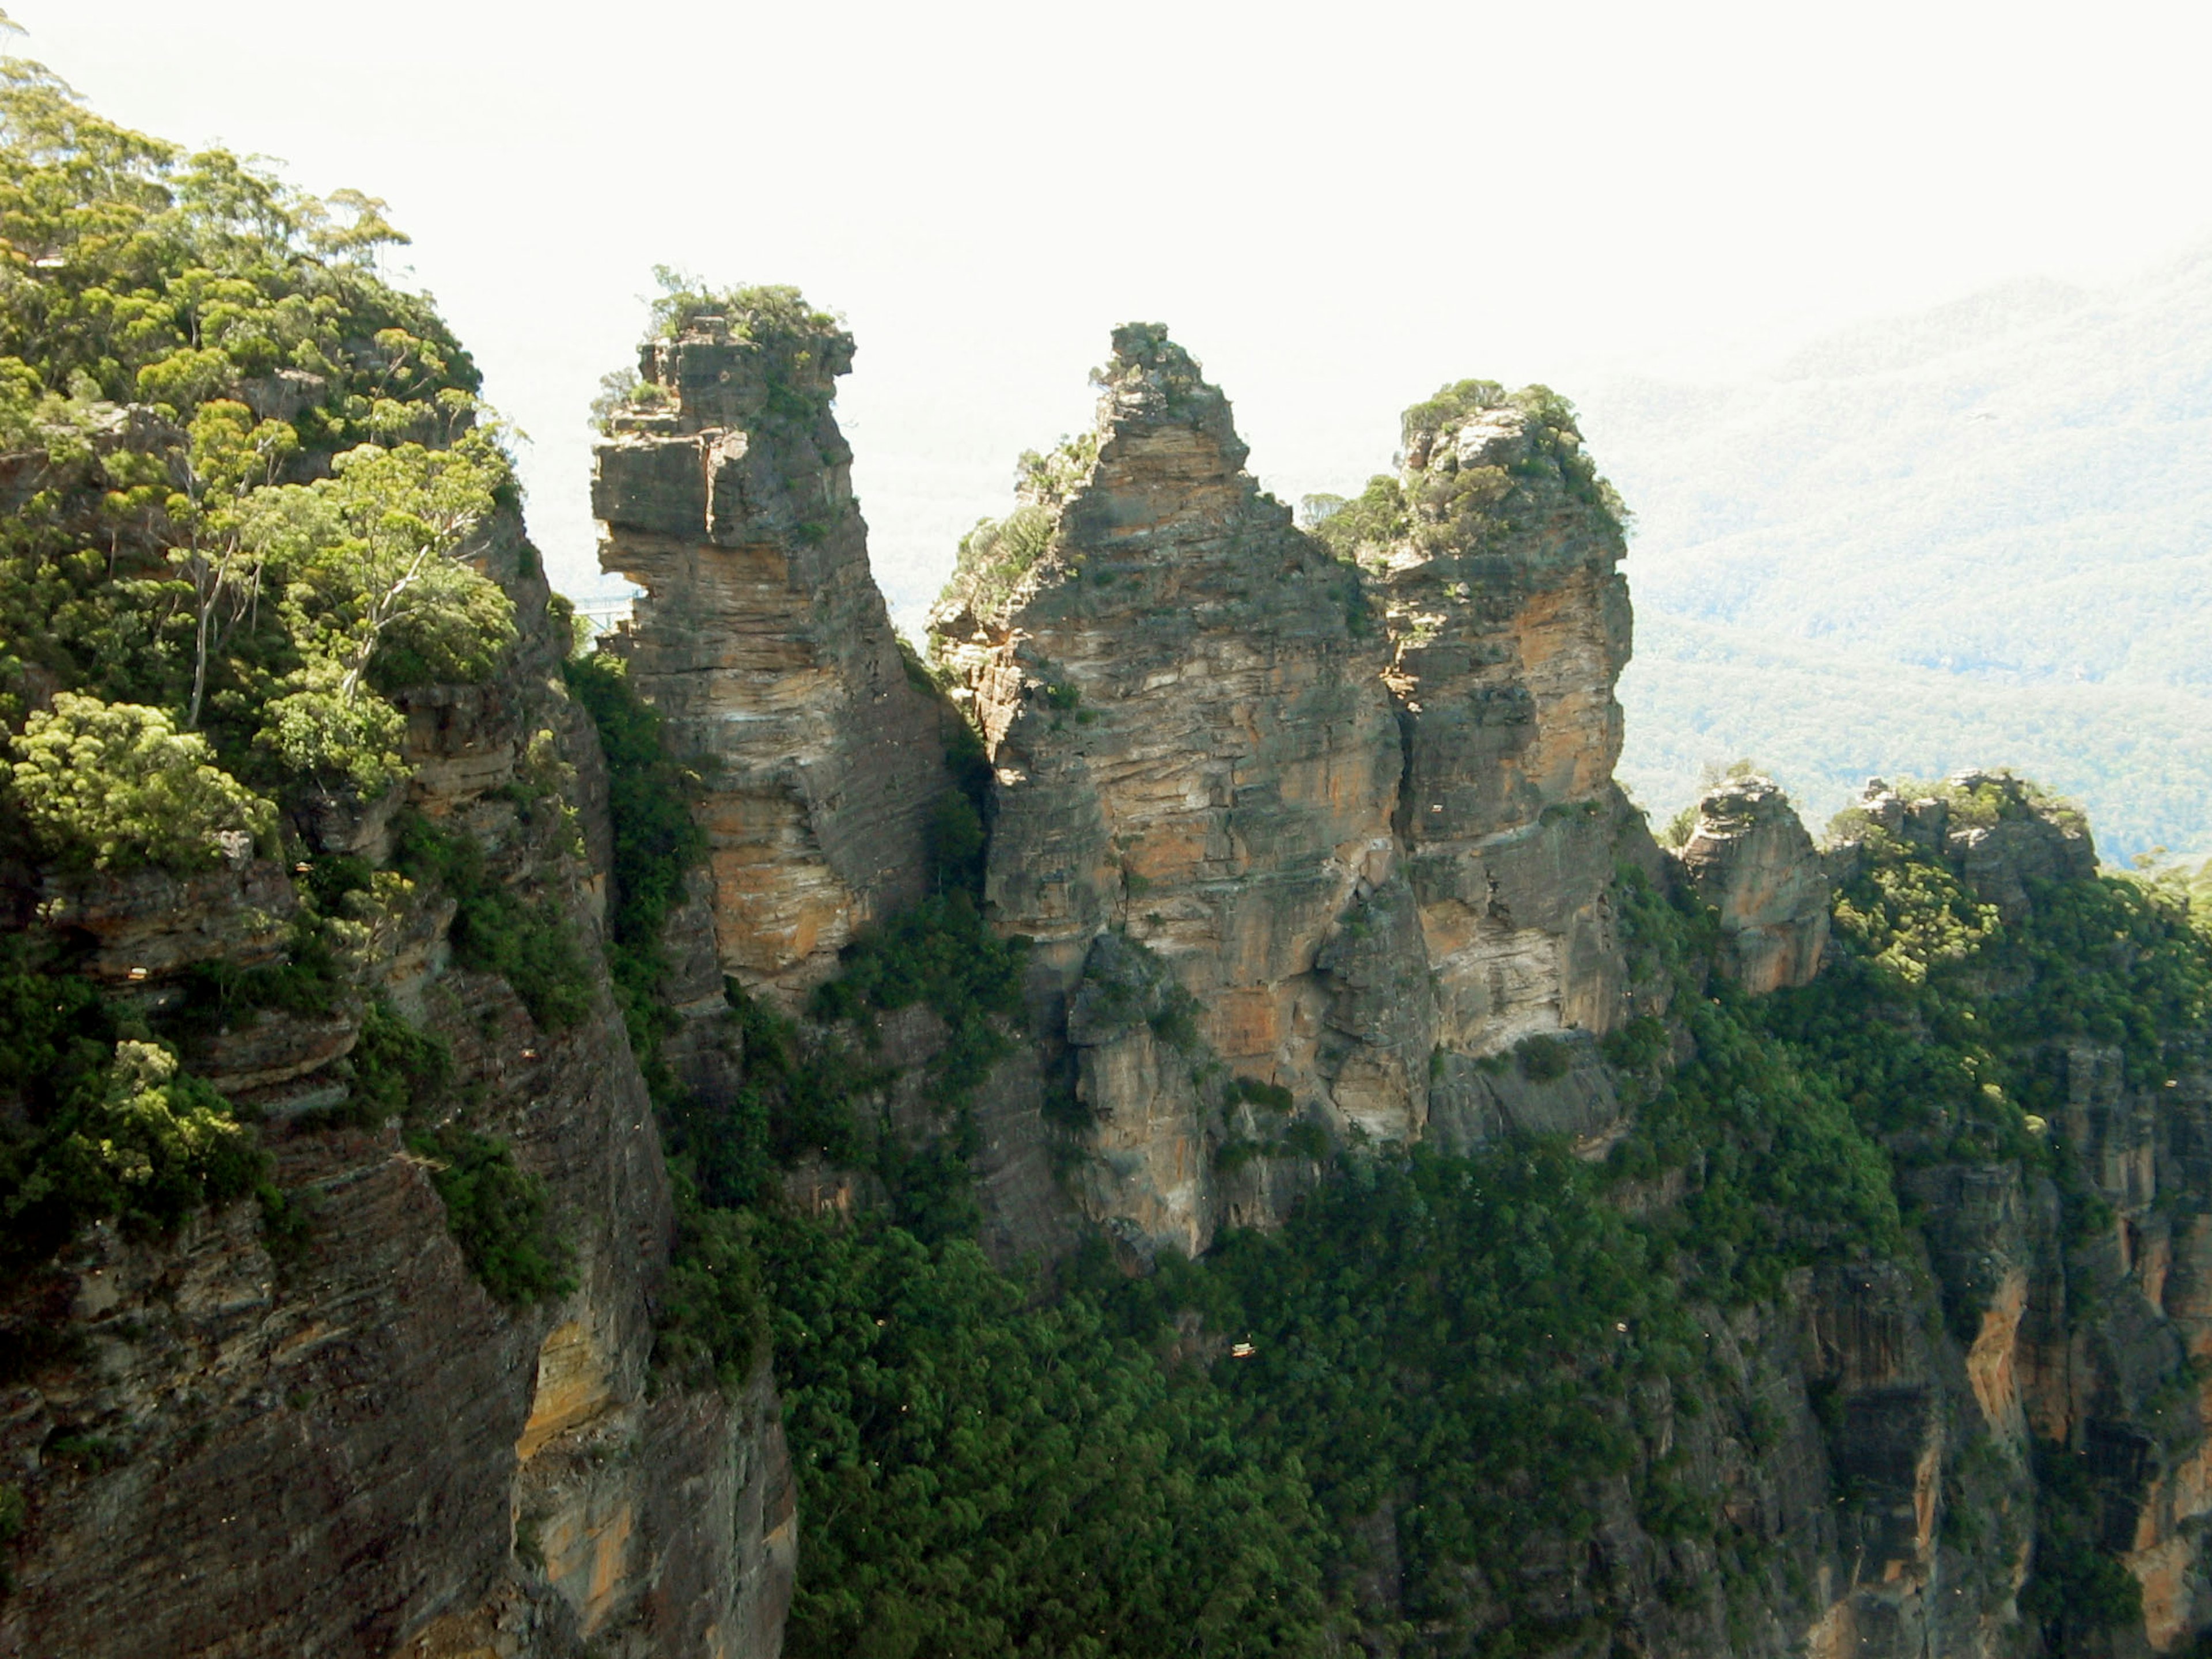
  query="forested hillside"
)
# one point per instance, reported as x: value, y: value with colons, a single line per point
x: 1198, y: 1119
x: 1979, y: 530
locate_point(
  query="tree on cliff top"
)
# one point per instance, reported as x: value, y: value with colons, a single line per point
x: 219, y: 417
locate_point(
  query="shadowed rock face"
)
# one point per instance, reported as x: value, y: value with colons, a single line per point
x: 1749, y: 857
x: 1363, y: 819
x: 355, y: 1450
x: 765, y: 642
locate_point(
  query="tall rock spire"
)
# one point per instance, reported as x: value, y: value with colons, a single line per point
x: 1306, y: 826
x: 726, y: 492
x: 1493, y: 557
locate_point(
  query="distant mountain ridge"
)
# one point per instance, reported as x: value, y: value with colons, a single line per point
x: 1974, y: 534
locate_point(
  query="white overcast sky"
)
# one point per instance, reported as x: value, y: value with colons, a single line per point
x: 1335, y: 208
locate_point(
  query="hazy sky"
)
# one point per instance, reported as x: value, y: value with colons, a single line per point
x: 1336, y: 210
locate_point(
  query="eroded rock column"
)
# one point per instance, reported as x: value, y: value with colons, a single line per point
x: 726, y: 494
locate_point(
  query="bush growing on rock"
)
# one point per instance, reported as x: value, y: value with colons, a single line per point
x: 116, y: 787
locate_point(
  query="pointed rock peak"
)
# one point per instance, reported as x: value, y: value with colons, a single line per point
x: 1161, y: 469
x: 1153, y: 383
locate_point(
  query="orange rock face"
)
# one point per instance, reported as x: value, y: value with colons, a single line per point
x: 1356, y: 803
x: 763, y: 641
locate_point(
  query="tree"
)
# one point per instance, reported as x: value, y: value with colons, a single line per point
x: 114, y: 785
x: 376, y: 547
x: 230, y: 456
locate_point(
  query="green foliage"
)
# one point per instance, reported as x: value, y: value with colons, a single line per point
x: 1458, y: 1337
x: 656, y: 842
x: 1913, y: 1035
x: 97, y: 1122
x: 799, y: 349
x: 161, y: 276
x: 497, y: 1213
x: 261, y: 466
x: 529, y: 943
x: 1048, y: 480
x: 941, y: 952
x: 137, y: 1139
x: 955, y: 843
x: 2077, y: 1589
x: 1910, y: 913
x: 990, y: 1476
x: 1543, y: 1059
x: 712, y: 1325
x: 1455, y: 501
x: 116, y: 787
x: 622, y: 392
x: 998, y: 553
x: 1786, y: 1174
x: 14, y: 1512
x: 1272, y: 1096
x: 399, y: 1071
x: 1375, y: 519
x: 1638, y: 1046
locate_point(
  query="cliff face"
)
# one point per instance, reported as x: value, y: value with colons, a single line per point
x: 765, y: 644
x: 1316, y: 837
x: 1361, y: 819
x: 351, y: 1447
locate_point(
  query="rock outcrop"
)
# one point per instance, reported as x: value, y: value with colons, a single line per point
x: 1749, y: 856
x: 1363, y: 818
x: 763, y: 641
x: 1509, y: 625
x: 350, y: 1447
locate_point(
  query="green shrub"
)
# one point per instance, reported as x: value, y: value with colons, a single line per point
x: 141, y: 1142
x: 2077, y: 1588
x: 711, y: 1322
x: 998, y: 553
x: 940, y: 951
x: 529, y: 943
x: 1543, y: 1059
x: 955, y: 843
x: 1375, y: 519
x: 1272, y: 1096
x: 115, y: 786
x: 1640, y: 1046
x: 992, y: 1475
x: 497, y: 1214
x: 399, y: 1071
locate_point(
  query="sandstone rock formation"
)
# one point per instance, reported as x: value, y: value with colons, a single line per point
x: 765, y: 642
x: 1363, y: 818
x: 353, y: 1448
x: 1749, y: 856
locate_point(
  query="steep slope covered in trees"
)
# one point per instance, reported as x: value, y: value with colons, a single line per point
x: 332, y: 1213
x: 1201, y: 1123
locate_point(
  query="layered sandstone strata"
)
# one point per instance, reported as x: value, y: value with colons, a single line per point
x: 1363, y: 818
x: 350, y: 1447
x: 764, y: 641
